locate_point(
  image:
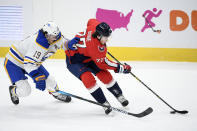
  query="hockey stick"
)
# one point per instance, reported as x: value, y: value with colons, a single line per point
x: 142, y: 114
x: 172, y: 112
x: 158, y: 31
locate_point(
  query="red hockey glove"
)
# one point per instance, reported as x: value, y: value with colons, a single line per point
x: 123, y: 69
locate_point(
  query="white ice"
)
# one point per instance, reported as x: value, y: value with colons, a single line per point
x: 175, y: 82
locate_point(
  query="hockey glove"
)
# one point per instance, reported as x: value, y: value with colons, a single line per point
x: 39, y: 79
x: 123, y: 69
x: 71, y: 43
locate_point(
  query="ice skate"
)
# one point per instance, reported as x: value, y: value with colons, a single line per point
x: 122, y: 100
x: 13, y: 96
x: 107, y: 110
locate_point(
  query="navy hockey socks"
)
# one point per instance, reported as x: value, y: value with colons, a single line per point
x: 115, y: 90
x: 99, y: 96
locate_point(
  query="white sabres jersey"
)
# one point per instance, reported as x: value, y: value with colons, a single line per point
x: 31, y: 52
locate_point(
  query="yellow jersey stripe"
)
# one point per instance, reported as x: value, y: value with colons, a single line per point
x: 27, y: 60
x: 14, y: 48
x: 33, y: 62
x: 10, y: 53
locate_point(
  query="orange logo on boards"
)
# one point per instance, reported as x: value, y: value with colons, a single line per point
x: 175, y: 14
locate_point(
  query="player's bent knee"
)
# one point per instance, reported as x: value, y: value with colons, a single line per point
x: 88, y: 80
x: 104, y: 76
x: 23, y: 88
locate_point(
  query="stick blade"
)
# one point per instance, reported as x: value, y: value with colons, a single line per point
x: 142, y: 114
x: 180, y: 112
x: 158, y: 31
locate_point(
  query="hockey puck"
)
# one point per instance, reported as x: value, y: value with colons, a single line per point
x: 173, y: 112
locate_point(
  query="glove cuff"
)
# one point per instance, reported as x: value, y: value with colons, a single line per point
x: 119, y: 69
x: 37, y: 76
x: 34, y: 73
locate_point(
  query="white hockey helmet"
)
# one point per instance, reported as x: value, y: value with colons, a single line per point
x: 51, y: 28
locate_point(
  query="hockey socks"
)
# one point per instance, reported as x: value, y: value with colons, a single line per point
x: 99, y: 97
x: 117, y: 92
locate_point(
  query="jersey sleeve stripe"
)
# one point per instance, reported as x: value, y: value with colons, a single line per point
x: 31, y: 59
x: 14, y: 48
x: 29, y: 63
x: 17, y: 59
x: 110, y: 63
x: 15, y: 55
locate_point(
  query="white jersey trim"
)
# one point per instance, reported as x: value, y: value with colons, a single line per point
x: 111, y: 83
x: 93, y: 89
x: 110, y: 63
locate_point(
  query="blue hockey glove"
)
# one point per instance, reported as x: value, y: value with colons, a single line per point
x: 39, y: 79
x: 71, y: 43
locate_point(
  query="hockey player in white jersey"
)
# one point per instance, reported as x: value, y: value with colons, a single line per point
x: 26, y: 57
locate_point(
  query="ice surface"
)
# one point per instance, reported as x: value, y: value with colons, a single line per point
x: 175, y: 82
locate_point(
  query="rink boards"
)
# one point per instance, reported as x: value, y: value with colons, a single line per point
x: 139, y: 54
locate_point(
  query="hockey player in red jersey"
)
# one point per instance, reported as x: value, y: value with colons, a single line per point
x: 87, y: 59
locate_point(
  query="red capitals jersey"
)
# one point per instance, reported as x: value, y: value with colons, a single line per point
x: 90, y: 49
